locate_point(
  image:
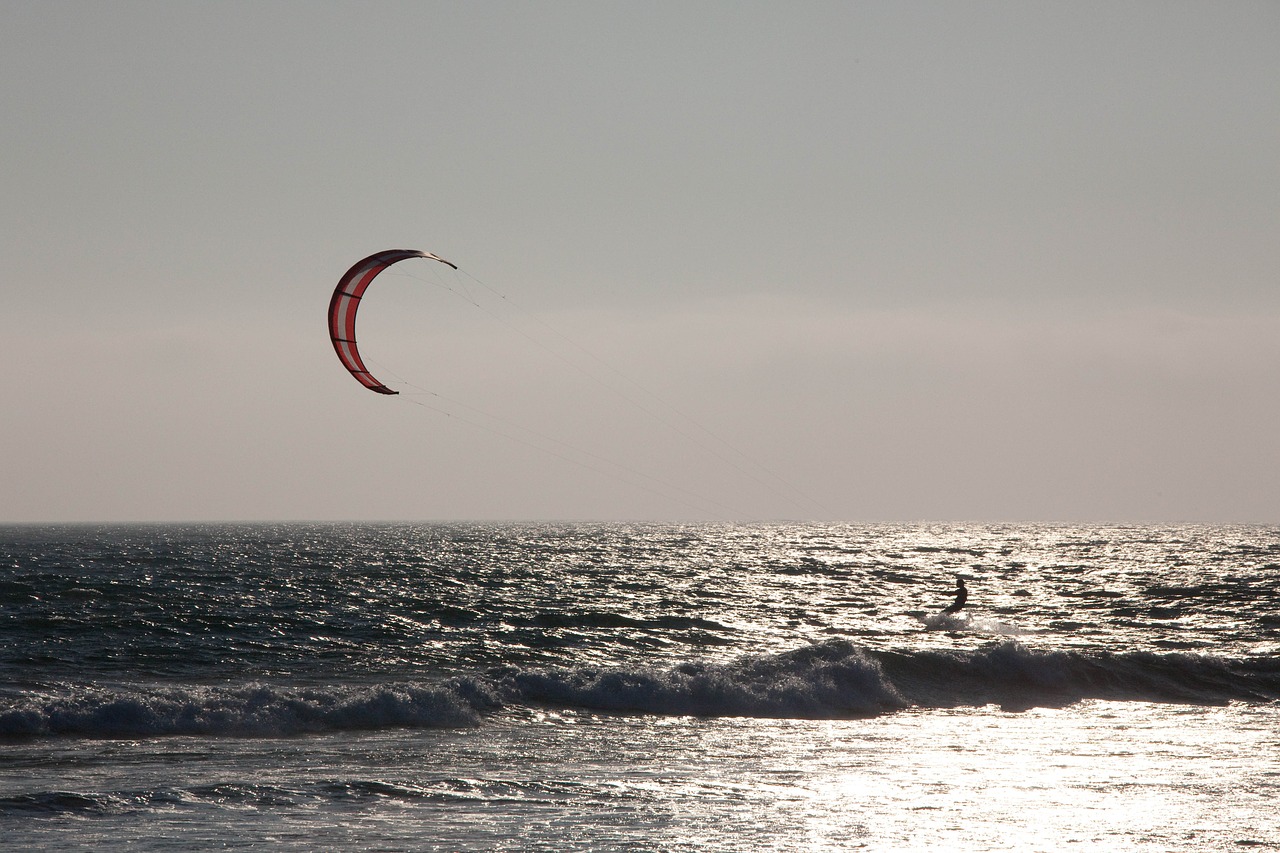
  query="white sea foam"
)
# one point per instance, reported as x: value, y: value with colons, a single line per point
x: 968, y: 622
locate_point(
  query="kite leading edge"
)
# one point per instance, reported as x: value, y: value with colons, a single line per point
x: 346, y: 301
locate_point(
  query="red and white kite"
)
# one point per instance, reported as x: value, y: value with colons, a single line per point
x: 346, y: 300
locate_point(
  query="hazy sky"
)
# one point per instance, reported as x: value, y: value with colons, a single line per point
x: 730, y: 260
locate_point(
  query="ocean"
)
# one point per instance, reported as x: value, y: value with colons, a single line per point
x: 561, y: 687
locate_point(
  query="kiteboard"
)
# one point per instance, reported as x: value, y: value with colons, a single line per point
x: 966, y: 622
x: 944, y: 621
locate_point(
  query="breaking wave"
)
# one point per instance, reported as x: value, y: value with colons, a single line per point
x: 251, y: 710
x: 831, y: 680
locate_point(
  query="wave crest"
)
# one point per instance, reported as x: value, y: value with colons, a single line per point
x: 250, y: 710
x: 832, y: 680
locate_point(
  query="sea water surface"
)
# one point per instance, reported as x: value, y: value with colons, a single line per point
x: 782, y: 687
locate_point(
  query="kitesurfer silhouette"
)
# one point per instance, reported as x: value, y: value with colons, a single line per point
x: 962, y: 595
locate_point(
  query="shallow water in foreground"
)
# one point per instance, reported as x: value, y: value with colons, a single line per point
x: 648, y: 687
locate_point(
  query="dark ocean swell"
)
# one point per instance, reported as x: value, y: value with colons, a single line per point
x: 253, y: 710
x: 838, y: 679
x: 832, y: 680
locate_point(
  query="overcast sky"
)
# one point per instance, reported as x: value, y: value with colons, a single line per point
x: 720, y: 260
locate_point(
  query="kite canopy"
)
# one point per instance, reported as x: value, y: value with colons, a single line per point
x: 346, y: 301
